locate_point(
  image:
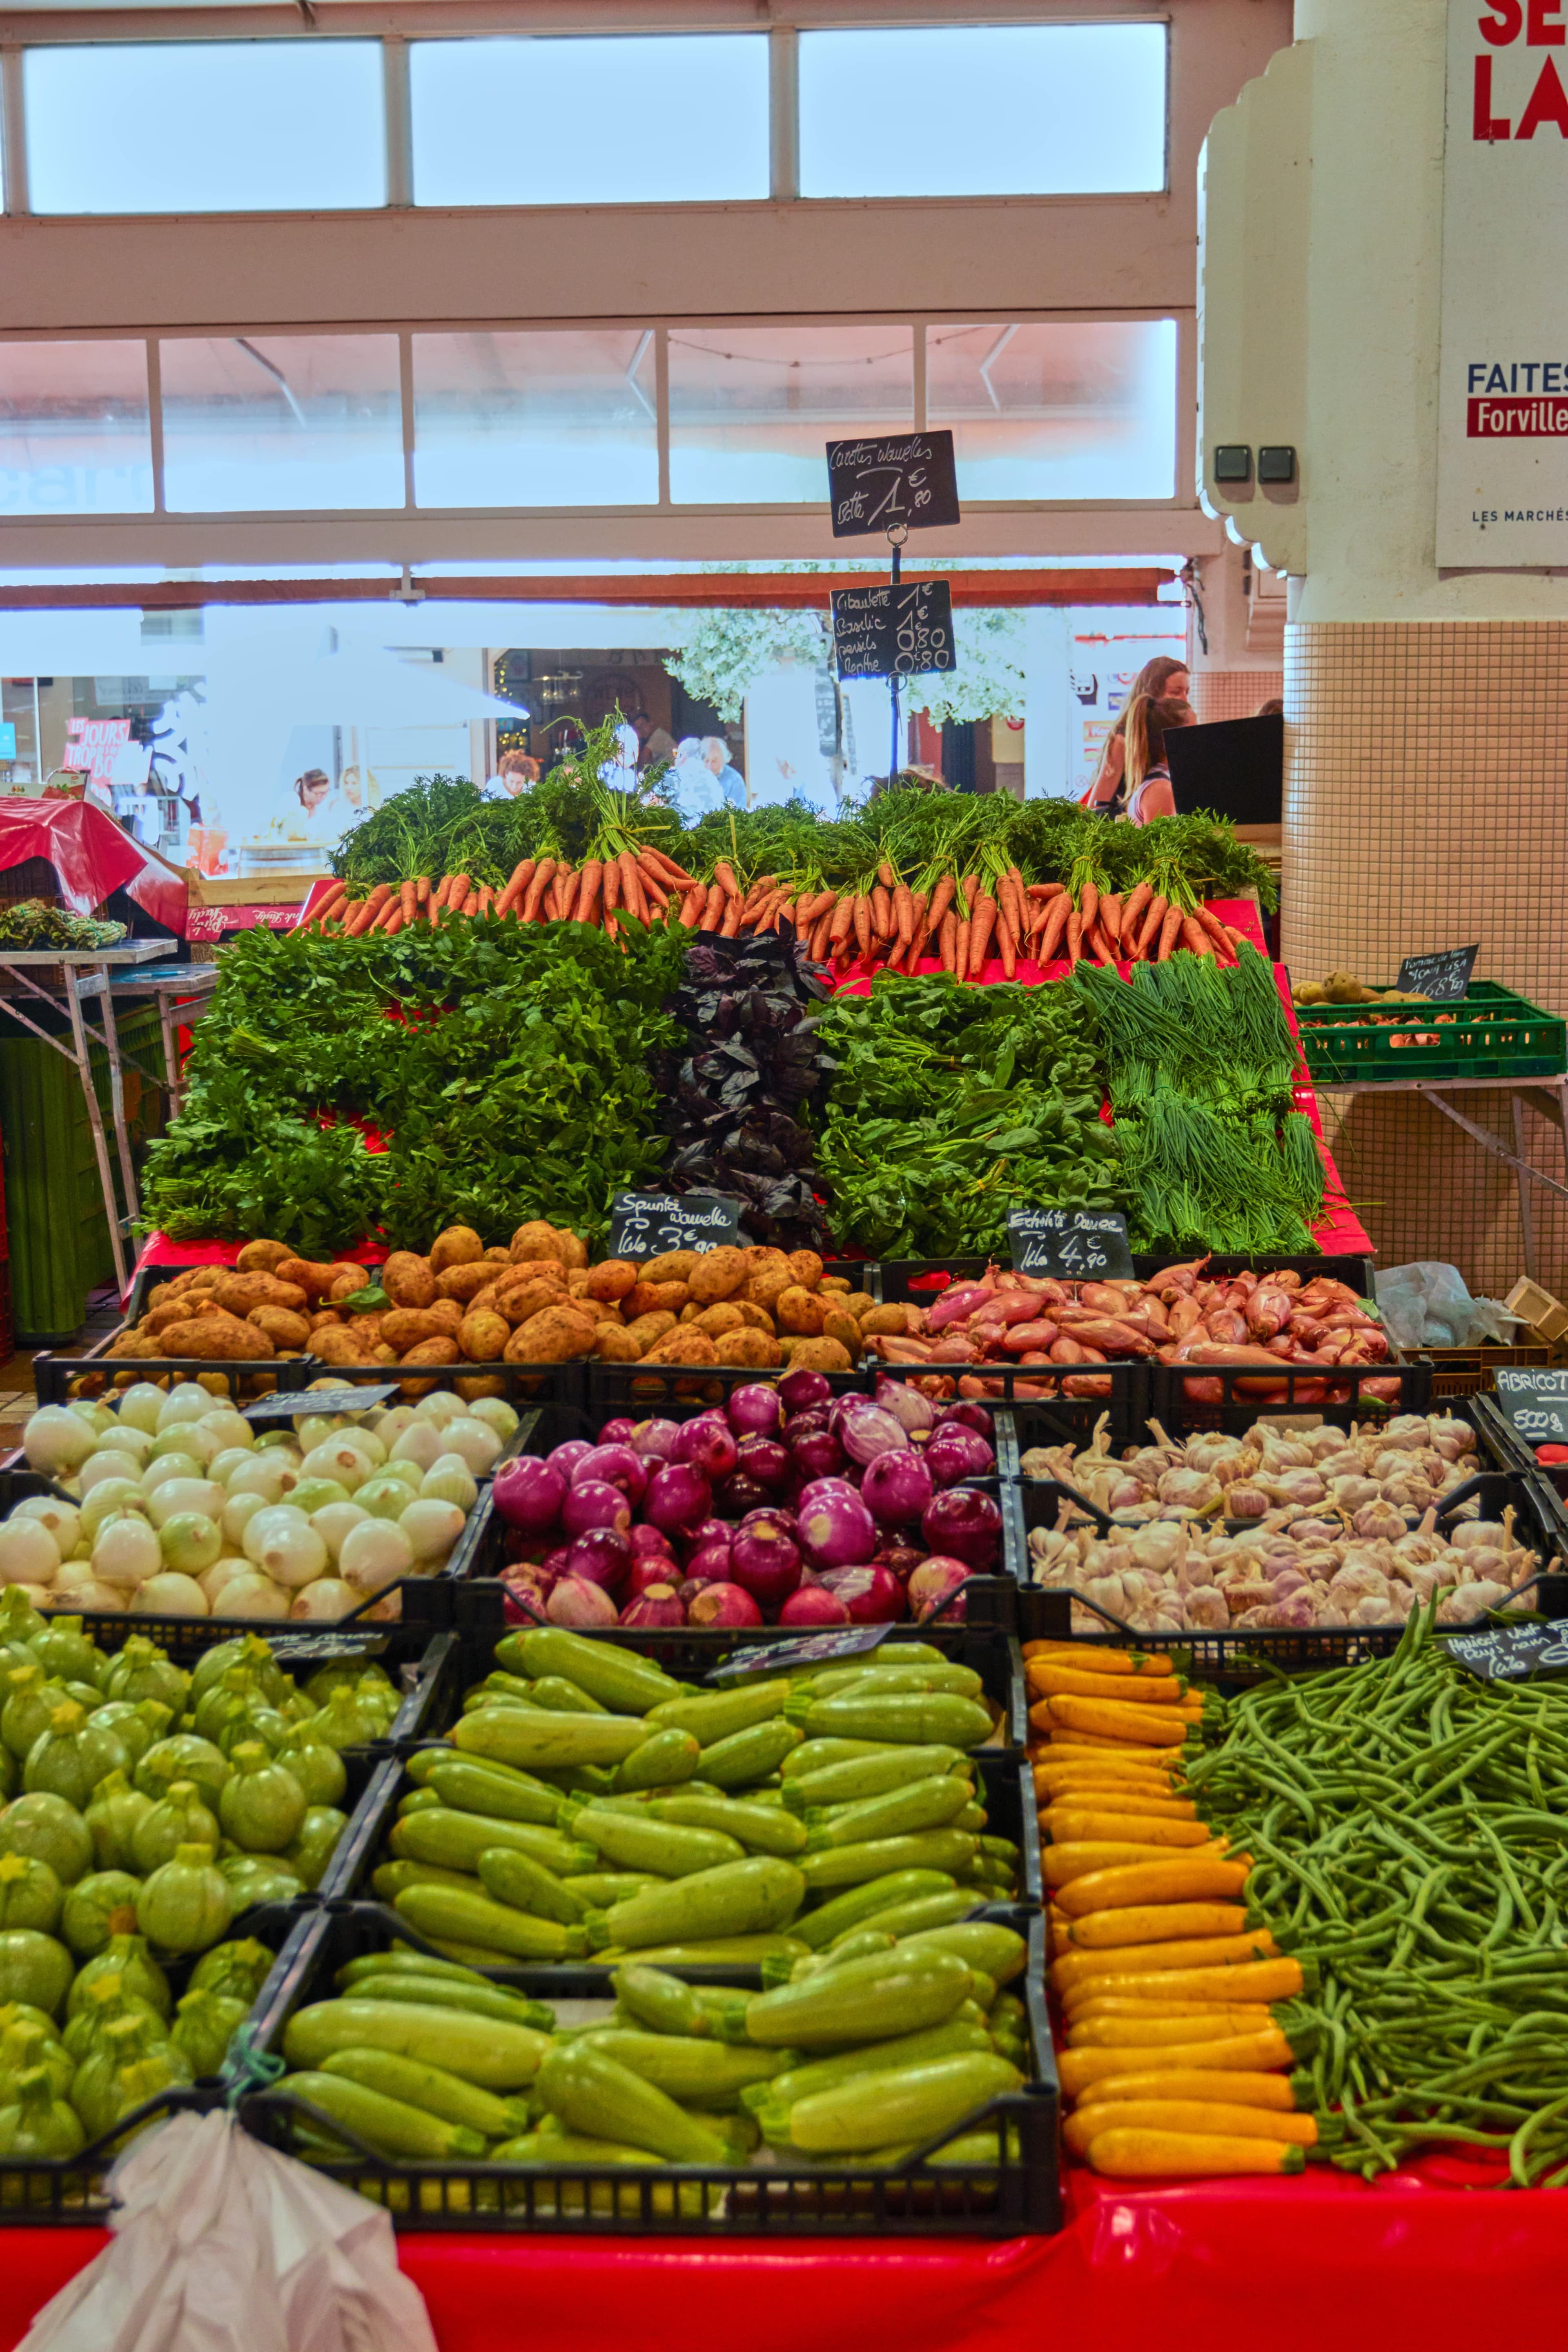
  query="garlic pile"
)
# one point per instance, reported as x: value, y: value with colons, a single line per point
x: 175, y: 1504
x: 1375, y: 1476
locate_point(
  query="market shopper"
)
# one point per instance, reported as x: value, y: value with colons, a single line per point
x: 1147, y: 777
x: 716, y: 760
x: 654, y: 742
x: 1162, y: 679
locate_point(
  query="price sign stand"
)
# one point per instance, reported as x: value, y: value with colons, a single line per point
x: 897, y: 534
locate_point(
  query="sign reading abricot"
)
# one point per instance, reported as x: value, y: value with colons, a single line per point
x: 802, y: 1650
x: 1073, y: 1245
x: 892, y: 631
x: 648, y: 1224
x: 289, y: 1401
x: 1513, y: 1653
x: 321, y: 1649
x: 1535, y: 1400
x: 1444, y: 978
x: 905, y: 479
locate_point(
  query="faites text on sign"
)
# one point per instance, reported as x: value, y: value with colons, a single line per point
x: 1503, y: 431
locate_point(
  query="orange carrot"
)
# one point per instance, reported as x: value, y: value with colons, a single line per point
x: 472, y: 903
x: 842, y: 923
x: 1110, y: 918
x: 517, y: 882
x: 714, y: 910
x: 1008, y: 943
x: 661, y: 862
x: 885, y: 877
x: 965, y: 940
x: 691, y: 905
x: 981, y: 922
x: 368, y: 910
x: 724, y: 875
x: 588, y: 895
x: 758, y: 895
x: 1193, y: 935
x: 1170, y: 932
x: 881, y: 912
x: 940, y: 900
x: 947, y: 942
x: 1049, y: 944
x: 1074, y: 937
x: 631, y: 886
x: 730, y: 927
x: 1132, y: 915
x: 395, y: 925
x: 1089, y: 905
x: 457, y: 895
x: 332, y: 906
x: 817, y: 949
x: 919, y: 932
x: 1215, y: 927
x: 1149, y: 936
x: 862, y: 920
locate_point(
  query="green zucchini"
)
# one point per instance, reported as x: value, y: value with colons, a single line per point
x: 700, y: 2073
x: 910, y: 2105
x: 924, y: 1911
x: 818, y: 1754
x: 634, y: 1843
x: 455, y: 1841
x: 926, y: 1716
x: 850, y: 1866
x: 660, y: 2001
x: 407, y: 1964
x: 598, y: 1889
x: 593, y: 2094
x: 483, y: 2050
x: 468, y: 1786
x: 715, y: 1951
x: 984, y: 1944
x: 618, y: 1678
x: 932, y: 1674
x: 871, y: 1775
x: 483, y: 1999
x: 762, y: 1828
x: 541, y: 1742
x: 568, y: 2147
x: 557, y: 1695
x: 749, y: 1755
x: 390, y: 2126
x: 803, y: 2080
x: 441, y: 1911
x: 712, y: 1716
x: 866, y: 2000
x: 669, y: 1755
x: 927, y: 1805
x: 739, y: 1898
x: 431, y: 2089
x: 389, y: 1880
x: 519, y: 1882
x: 858, y: 1905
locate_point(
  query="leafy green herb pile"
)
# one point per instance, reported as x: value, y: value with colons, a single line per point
x: 950, y: 1104
x: 511, y: 1081
x: 1200, y: 1063
x: 34, y: 923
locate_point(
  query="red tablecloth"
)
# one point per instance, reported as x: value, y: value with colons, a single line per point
x: 91, y: 855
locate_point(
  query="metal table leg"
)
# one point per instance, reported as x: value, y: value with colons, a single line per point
x: 95, y: 1120
x: 1526, y: 1206
x: 117, y: 1095
x: 170, y: 1049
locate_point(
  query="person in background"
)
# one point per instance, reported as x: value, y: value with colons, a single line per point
x: 515, y: 773
x: 1147, y: 777
x: 1273, y: 709
x: 313, y: 790
x: 1162, y: 680
x: 654, y: 742
x: 729, y: 780
x: 691, y: 780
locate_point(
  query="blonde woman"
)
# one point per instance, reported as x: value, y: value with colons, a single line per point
x: 1147, y: 777
x: 1162, y: 680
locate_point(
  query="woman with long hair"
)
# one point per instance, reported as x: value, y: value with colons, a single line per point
x: 1147, y: 777
x: 1163, y: 679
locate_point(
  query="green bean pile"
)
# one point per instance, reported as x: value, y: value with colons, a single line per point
x: 1408, y: 1829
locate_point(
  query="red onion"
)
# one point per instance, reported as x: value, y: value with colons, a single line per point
x: 553, y: 1564
x: 964, y: 1521
x: 708, y: 1564
x: 524, y: 1603
x: 901, y: 1557
x: 602, y: 1556
x: 773, y: 1515
x: 688, y: 1590
x: 740, y: 1493
x: 706, y: 1532
x: 766, y: 1460
x: 836, y: 1530
x: 650, y: 1568
x: 897, y: 1488
x: 594, y: 1504
x: 798, y: 1389
x: 815, y: 1416
x: 969, y: 1414
x: 568, y: 1454
x: 584, y: 1607
x: 816, y: 1452
x: 617, y: 1432
x: 645, y: 1538
x: 872, y: 1595
x: 654, y: 1438
x: 617, y: 1465
x: 906, y: 1404
x: 957, y: 1452
x: 678, y: 1496
x: 930, y: 1585
x: 754, y: 1411
x: 724, y: 1604
x: 872, y: 1431
x: 766, y: 1563
x: 529, y: 1493
x: 707, y: 1442
x: 813, y: 1604
x: 659, y: 1604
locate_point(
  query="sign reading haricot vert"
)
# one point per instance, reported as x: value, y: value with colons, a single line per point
x: 1502, y: 417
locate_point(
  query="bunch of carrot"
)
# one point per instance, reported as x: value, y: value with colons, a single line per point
x: 641, y: 883
x: 1145, y: 926
x: 1177, y: 2056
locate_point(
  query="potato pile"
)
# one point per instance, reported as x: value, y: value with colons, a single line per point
x: 536, y: 1302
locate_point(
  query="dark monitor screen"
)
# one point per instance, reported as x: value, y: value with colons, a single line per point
x: 1233, y: 766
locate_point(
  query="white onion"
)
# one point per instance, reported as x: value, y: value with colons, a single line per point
x: 164, y: 1467
x: 83, y: 1591
x: 407, y: 1474
x: 440, y: 1406
x: 189, y: 1542
x: 186, y: 1401
x: 171, y: 1596
x: 140, y: 1406
x: 98, y: 1418
x: 110, y: 1500
x: 390, y: 1425
x: 229, y: 1428
x: 432, y: 1528
x: 419, y: 1443
x: 387, y: 1611
x: 342, y: 1458
x: 29, y: 1553
x: 57, y: 1439
x: 222, y: 1573
x: 196, y: 1438
x: 451, y: 1481
x: 126, y: 1553
x: 369, y: 1445
x: 237, y: 1514
x: 313, y: 1494
x: 121, y: 1438
x: 334, y: 1521
x: 175, y: 1497
x: 374, y: 1554
x: 497, y: 1414
x: 285, y: 1546
x: 384, y: 1498
x: 267, y: 1473
x: 253, y: 1595
x: 62, y: 1522
x: 474, y: 1440
x: 223, y: 1465
x: 327, y: 1598
x: 99, y: 1466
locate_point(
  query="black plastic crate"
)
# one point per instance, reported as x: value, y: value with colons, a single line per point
x: 908, y: 1277
x: 779, y: 2198
x: 59, y: 1378
x: 1232, y: 1396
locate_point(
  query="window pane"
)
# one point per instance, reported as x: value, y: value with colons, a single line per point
x: 276, y: 422
x: 225, y: 126
x: 656, y: 119
x: 1060, y: 410
x: 752, y: 409
x: 73, y: 429
x: 538, y: 420
x: 983, y: 111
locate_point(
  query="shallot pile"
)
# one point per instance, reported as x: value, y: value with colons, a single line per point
x: 788, y: 1506
x: 1174, y: 1317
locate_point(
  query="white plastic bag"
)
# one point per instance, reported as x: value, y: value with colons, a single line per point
x: 222, y: 2244
x: 1427, y: 1304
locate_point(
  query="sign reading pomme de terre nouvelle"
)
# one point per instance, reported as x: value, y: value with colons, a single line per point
x: 1502, y: 425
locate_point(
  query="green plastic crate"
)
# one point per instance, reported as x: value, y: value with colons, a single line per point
x: 1492, y: 1034
x: 59, y: 1233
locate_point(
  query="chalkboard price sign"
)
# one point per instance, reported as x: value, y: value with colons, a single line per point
x: 648, y: 1224
x: 289, y: 1401
x: 1513, y: 1653
x: 802, y: 1650
x: 904, y: 480
x: 1073, y: 1245
x: 899, y: 631
x: 1444, y: 978
x: 323, y: 1648
x: 1536, y: 1401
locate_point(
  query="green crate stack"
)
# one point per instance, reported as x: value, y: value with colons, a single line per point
x: 1492, y: 1034
x: 57, y: 1231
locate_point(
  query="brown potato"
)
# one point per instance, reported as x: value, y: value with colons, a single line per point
x: 691, y: 1310
x: 459, y: 1245
x: 404, y: 1326
x: 575, y: 1251
x: 817, y: 1354
x: 612, y: 1279
x: 349, y: 1279
x: 496, y: 1256
x: 836, y: 1282
x: 577, y: 1282
x: 598, y: 1310
x: 527, y: 1298
x: 536, y: 1239
x: 447, y: 1314
x: 747, y: 1346
x: 717, y: 1272
x: 464, y: 1282
x: 341, y: 1344
x: 381, y: 1354
x: 239, y: 1293
x: 325, y: 1317
x: 368, y: 1325
x: 717, y: 1320
x: 655, y: 1298
x: 858, y: 1303
x: 755, y: 1319
x: 441, y: 1349
x: 800, y: 1312
x: 553, y: 1337
x: 408, y: 1280
x: 225, y: 1337
x: 262, y: 1257
x: 177, y: 1311
x: 645, y: 1330
x: 287, y: 1329
x: 806, y: 1268
x: 202, y: 1277
x: 899, y: 1316
x: 836, y: 1324
x: 314, y: 1280
x: 183, y: 1281
x: 675, y: 1266
x: 767, y: 1288
x: 613, y: 1344
x: 483, y: 1338
x: 132, y: 1343
x: 480, y: 1384
x: 531, y: 1269
x: 483, y: 1301
x: 685, y: 1345
x: 759, y: 1257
